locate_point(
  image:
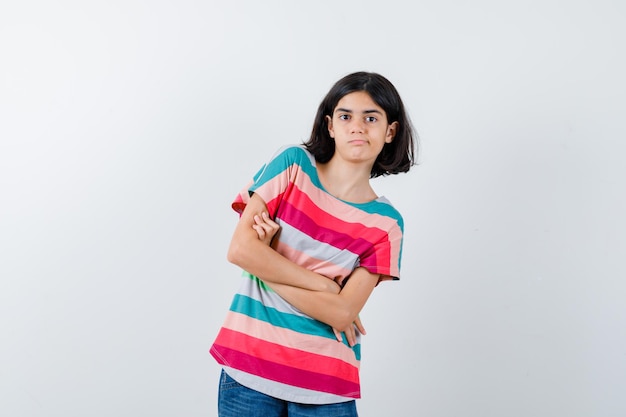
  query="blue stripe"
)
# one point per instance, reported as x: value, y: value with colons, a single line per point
x: 253, y: 308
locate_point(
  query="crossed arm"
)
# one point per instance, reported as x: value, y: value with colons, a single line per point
x: 313, y: 294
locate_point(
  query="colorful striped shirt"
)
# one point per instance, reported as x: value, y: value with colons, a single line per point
x: 266, y: 343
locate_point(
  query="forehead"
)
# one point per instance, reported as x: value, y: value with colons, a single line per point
x: 358, y: 101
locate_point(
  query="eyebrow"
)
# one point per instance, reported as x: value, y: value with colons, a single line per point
x: 341, y: 109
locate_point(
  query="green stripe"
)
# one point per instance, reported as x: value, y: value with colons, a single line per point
x: 258, y: 281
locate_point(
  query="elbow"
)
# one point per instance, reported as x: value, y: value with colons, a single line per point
x: 244, y: 254
x: 235, y: 253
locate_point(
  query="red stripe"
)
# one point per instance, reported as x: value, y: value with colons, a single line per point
x: 341, y: 234
x: 343, y: 237
x: 290, y: 357
x: 285, y: 374
x: 300, y: 201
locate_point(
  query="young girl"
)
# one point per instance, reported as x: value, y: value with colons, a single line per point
x: 290, y: 344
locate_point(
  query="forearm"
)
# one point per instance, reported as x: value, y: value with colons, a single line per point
x: 270, y: 266
x: 336, y: 310
x: 259, y: 259
x: 323, y: 306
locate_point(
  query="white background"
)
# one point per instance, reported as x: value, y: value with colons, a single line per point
x: 127, y: 127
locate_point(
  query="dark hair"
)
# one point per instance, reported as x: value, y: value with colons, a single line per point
x: 395, y: 157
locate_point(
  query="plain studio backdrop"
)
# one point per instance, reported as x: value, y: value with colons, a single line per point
x: 127, y: 128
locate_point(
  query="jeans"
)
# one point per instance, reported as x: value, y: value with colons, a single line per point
x: 235, y: 400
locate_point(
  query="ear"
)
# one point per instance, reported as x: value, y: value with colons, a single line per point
x: 391, y: 132
x: 329, y: 123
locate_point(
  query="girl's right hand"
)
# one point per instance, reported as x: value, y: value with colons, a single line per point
x: 265, y: 228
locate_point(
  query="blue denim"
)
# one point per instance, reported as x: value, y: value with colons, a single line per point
x: 235, y: 400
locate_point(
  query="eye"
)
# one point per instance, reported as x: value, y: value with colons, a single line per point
x: 371, y: 119
x: 344, y: 117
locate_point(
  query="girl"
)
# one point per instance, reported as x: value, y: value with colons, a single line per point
x: 290, y: 344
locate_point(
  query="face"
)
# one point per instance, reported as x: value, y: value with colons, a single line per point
x: 360, y: 128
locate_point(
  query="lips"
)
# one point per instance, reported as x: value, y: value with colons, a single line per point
x: 358, y: 141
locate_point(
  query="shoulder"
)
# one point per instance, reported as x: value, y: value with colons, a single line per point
x: 294, y: 152
x: 293, y: 156
x: 383, y: 207
x: 287, y: 159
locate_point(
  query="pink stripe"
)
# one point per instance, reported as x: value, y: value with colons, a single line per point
x: 351, y: 223
x: 343, y: 211
x: 352, y: 233
x: 241, y: 200
x: 285, y: 356
x: 342, y: 235
x: 321, y: 266
x: 345, y: 236
x: 311, y: 344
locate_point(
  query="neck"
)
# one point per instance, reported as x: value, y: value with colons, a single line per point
x: 348, y: 182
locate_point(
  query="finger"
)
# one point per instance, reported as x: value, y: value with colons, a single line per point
x: 266, y: 223
x: 269, y: 221
x: 359, y: 325
x: 268, y: 228
x: 263, y: 229
x: 267, y: 218
x: 338, y: 335
x: 257, y: 220
x: 259, y: 231
x: 351, y: 335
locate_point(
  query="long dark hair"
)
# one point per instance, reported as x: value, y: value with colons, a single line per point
x: 395, y: 157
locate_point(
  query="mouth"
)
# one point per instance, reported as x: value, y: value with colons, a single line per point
x: 358, y: 142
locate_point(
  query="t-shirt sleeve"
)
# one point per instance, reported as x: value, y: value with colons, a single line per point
x: 271, y: 181
x: 385, y: 255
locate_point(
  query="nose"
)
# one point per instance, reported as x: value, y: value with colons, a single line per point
x: 357, y: 125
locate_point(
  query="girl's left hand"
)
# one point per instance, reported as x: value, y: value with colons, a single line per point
x: 351, y: 332
x: 265, y: 228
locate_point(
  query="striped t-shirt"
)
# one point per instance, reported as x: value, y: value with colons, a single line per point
x: 266, y: 343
